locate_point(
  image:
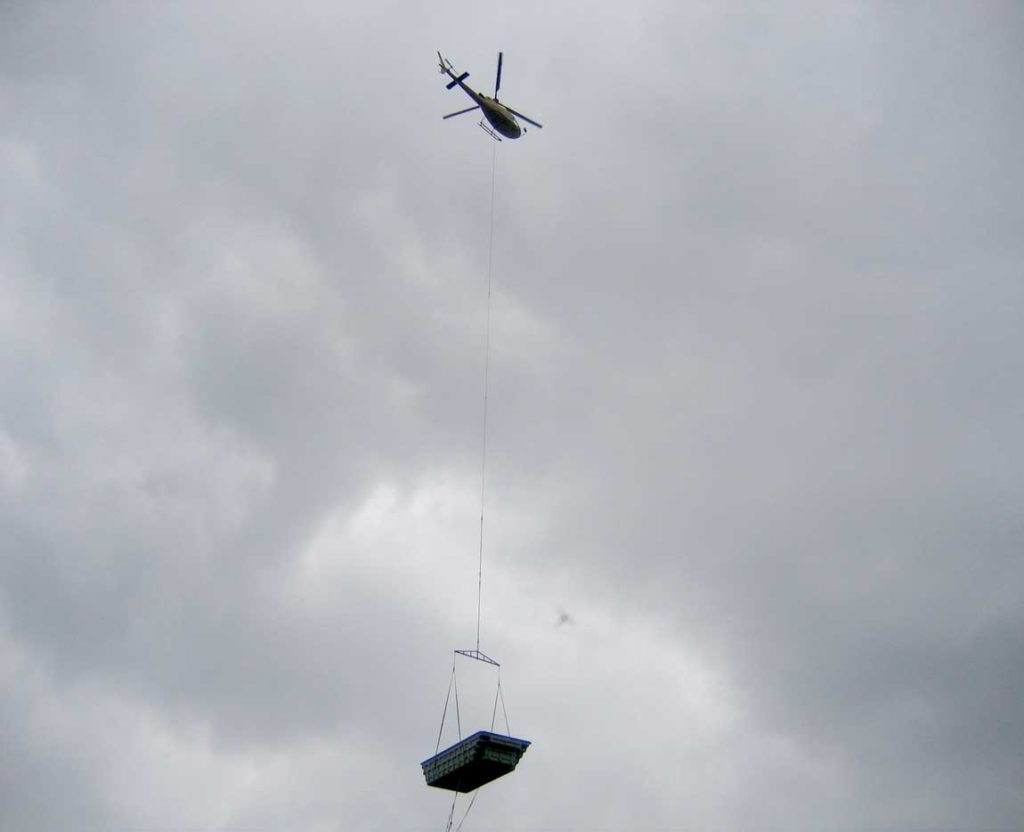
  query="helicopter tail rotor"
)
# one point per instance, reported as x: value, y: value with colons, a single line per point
x: 456, y: 81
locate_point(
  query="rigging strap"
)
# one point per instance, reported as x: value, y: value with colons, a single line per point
x: 494, y: 711
x: 444, y: 713
x: 452, y: 680
x: 465, y: 814
x: 451, y: 812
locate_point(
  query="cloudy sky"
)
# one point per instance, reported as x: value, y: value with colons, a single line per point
x: 754, y: 529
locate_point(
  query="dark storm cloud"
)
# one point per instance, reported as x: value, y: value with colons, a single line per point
x: 754, y: 407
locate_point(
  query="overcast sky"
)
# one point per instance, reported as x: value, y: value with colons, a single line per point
x: 754, y: 527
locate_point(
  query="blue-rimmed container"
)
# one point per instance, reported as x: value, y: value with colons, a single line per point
x: 474, y: 761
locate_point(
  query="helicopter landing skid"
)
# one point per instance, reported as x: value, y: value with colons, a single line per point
x: 489, y: 131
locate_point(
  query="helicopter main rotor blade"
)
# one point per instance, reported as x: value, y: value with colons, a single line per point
x: 460, y: 112
x: 497, y: 82
x: 524, y: 118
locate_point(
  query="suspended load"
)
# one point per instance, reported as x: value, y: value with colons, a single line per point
x: 481, y: 757
x: 476, y: 760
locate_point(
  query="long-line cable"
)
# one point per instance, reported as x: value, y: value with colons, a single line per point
x: 487, y: 374
x: 483, y: 484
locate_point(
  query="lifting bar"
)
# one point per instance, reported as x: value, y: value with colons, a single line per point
x: 480, y: 657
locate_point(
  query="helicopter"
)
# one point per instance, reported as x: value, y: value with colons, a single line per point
x: 502, y: 118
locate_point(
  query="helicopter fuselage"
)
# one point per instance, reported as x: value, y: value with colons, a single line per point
x: 496, y: 113
x: 500, y: 118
